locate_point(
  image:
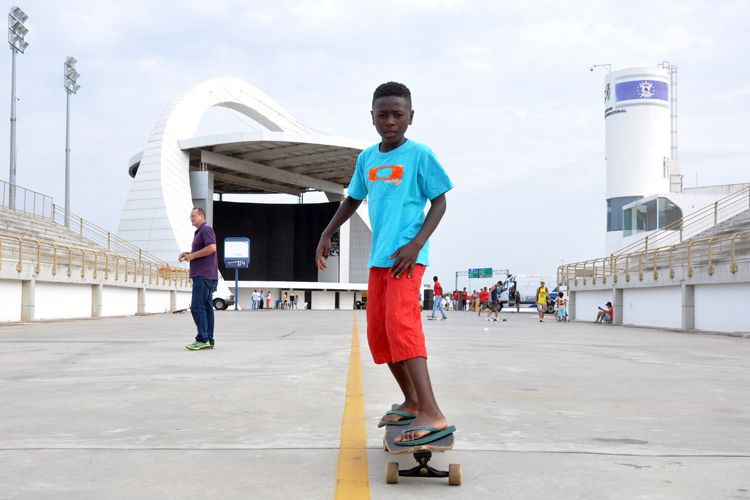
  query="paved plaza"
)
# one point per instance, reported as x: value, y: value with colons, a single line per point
x: 118, y: 408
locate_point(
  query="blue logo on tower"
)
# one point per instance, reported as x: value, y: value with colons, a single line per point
x: 641, y: 89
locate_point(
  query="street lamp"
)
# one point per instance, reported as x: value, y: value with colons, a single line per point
x: 70, y: 77
x: 16, y: 32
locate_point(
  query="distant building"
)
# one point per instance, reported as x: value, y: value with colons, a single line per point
x: 178, y: 171
x: 645, y: 191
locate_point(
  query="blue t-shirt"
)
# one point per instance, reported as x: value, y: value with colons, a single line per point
x: 397, y: 185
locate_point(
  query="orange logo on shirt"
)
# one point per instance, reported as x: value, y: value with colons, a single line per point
x: 391, y: 174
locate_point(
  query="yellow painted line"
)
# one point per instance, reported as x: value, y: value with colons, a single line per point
x: 352, y: 479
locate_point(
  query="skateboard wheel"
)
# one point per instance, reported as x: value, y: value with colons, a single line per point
x: 391, y: 473
x: 454, y: 474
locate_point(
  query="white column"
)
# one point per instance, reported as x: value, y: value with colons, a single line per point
x: 688, y: 307
x: 202, y: 189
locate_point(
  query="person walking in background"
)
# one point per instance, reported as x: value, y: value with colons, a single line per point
x: 496, y: 305
x: 204, y: 270
x: 464, y: 298
x: 542, y: 294
x: 437, y: 298
x: 517, y: 295
x: 562, y: 307
x: 268, y: 300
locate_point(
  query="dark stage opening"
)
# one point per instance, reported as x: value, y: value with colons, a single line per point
x: 283, y: 238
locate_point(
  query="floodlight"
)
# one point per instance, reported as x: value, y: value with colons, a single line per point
x: 18, y: 27
x: 17, y: 30
x: 70, y: 77
x: 16, y: 12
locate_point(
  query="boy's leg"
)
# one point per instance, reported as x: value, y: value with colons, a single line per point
x: 434, y: 306
x: 406, y: 338
x: 429, y: 412
x: 402, y: 325
x: 442, y: 310
x: 411, y: 403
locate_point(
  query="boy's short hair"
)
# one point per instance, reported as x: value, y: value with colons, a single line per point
x: 434, y: 278
x: 200, y: 211
x: 392, y: 89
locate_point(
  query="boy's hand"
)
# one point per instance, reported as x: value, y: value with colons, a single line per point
x: 321, y: 253
x: 406, y: 257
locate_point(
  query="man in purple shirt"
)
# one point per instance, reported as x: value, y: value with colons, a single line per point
x: 204, y: 270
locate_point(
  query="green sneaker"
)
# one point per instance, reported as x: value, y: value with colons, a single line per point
x: 197, y: 346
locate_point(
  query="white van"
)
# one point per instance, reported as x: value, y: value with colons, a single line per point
x: 223, y: 296
x: 526, y: 284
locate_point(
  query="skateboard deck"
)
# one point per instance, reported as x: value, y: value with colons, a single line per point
x: 422, y: 454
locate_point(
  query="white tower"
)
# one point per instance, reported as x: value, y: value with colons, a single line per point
x: 638, y: 141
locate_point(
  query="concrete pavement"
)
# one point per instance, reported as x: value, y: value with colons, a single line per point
x: 117, y: 408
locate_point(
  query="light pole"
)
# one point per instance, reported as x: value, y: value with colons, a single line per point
x: 16, y: 32
x: 70, y: 77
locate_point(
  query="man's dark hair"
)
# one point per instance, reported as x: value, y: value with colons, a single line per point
x: 392, y: 89
x: 434, y: 278
x: 200, y: 211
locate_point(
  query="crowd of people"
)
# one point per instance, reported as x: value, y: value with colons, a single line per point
x: 261, y: 300
x: 488, y: 299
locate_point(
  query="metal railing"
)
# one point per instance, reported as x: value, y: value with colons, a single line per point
x: 26, y: 200
x: 33, y: 203
x: 693, y: 224
x: 662, y: 261
x: 99, y: 236
x: 64, y: 259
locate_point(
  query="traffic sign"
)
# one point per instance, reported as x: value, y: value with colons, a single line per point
x: 482, y: 272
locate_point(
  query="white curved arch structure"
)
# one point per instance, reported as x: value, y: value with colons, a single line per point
x: 155, y: 216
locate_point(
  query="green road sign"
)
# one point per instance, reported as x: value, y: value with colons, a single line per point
x: 482, y: 272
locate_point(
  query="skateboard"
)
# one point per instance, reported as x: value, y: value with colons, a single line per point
x: 422, y: 454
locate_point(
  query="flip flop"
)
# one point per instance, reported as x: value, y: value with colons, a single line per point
x: 408, y: 418
x: 434, y: 434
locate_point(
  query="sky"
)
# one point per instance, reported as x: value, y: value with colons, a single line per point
x: 502, y: 93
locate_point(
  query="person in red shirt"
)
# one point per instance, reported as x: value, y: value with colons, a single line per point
x: 484, y: 297
x: 464, y: 296
x: 437, y: 298
x: 456, y: 297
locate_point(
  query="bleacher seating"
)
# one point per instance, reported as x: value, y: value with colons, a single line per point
x: 17, y: 223
x: 736, y: 224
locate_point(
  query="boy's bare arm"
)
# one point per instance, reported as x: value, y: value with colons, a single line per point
x: 344, y: 212
x: 406, y: 256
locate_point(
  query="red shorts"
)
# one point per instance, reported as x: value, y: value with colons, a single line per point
x: 394, y: 320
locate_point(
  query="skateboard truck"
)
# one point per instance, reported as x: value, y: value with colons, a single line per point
x: 423, y: 469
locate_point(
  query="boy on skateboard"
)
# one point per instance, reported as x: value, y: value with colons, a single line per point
x: 398, y: 176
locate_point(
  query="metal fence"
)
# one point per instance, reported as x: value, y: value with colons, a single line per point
x: 33, y: 203
x: 99, y: 236
x: 26, y: 200
x: 64, y: 260
x: 662, y: 261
